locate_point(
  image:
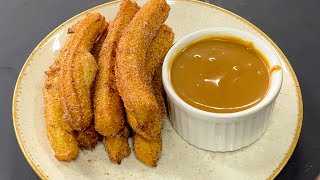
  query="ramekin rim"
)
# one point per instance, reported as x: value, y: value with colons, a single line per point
x: 270, y: 97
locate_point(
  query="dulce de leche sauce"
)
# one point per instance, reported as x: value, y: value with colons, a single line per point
x: 220, y: 75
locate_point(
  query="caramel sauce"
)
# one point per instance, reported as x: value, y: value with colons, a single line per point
x: 220, y: 75
x: 275, y: 68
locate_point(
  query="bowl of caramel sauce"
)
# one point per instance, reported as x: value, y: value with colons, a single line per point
x: 221, y: 85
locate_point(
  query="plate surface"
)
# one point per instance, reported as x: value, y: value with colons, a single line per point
x: 263, y: 159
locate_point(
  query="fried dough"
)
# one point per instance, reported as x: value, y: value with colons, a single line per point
x: 154, y: 58
x: 157, y: 83
x: 118, y: 70
x: 78, y: 71
x: 158, y: 49
x: 59, y: 132
x: 117, y: 146
x: 131, y: 76
x: 108, y: 107
x: 88, y: 138
x: 148, y: 150
x: 98, y: 44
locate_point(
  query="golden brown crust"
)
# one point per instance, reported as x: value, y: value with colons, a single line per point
x: 147, y: 151
x: 154, y: 58
x: 158, y: 49
x: 88, y: 138
x: 78, y: 71
x: 58, y: 130
x: 157, y: 83
x: 108, y: 107
x: 132, y: 81
x: 136, y: 43
x: 117, y: 146
x: 98, y: 44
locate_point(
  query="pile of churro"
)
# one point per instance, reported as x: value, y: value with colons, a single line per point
x: 106, y: 84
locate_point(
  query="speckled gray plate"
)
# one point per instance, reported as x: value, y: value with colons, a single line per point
x: 263, y: 159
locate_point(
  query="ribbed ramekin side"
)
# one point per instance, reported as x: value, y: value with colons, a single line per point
x: 219, y: 134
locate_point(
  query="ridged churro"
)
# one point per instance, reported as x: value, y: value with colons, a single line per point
x: 78, y: 71
x: 108, y: 106
x: 106, y: 79
x: 59, y: 133
x: 154, y: 58
x: 148, y: 149
x: 131, y: 77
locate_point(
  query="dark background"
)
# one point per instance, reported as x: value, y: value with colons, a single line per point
x: 293, y: 24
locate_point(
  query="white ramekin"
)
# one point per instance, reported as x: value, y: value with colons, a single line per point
x: 221, y: 131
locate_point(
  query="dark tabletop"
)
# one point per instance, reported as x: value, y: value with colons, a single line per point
x: 293, y: 24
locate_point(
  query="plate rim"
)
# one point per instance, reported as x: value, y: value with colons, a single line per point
x: 275, y: 172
